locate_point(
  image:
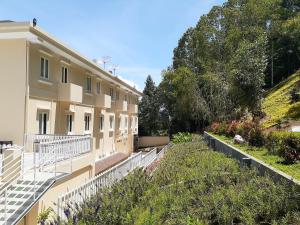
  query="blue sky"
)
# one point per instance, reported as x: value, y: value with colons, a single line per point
x: 139, y: 35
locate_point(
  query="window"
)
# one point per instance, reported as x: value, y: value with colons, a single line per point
x: 136, y: 121
x: 87, y: 120
x: 117, y: 95
x: 120, y: 123
x: 101, y: 123
x: 111, y: 122
x: 43, y: 118
x: 69, y: 123
x: 98, y: 87
x: 89, y: 84
x: 126, y: 124
x: 125, y: 98
x: 44, y: 68
x: 111, y: 93
x: 64, y: 74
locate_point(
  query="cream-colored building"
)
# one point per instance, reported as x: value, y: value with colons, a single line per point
x: 49, y: 89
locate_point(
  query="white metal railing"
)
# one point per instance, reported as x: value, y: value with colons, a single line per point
x: 56, y: 150
x: 49, y: 137
x: 11, y: 162
x: 163, y: 151
x: 45, y: 152
x: 104, y: 180
x: 11, y: 165
x: 148, y: 158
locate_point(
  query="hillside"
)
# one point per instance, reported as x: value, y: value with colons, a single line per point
x: 277, y: 104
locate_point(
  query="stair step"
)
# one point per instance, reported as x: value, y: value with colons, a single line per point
x: 19, y: 197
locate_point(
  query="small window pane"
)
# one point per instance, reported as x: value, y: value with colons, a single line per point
x: 46, y: 69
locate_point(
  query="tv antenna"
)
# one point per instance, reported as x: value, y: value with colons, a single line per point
x: 114, y: 68
x: 105, y: 59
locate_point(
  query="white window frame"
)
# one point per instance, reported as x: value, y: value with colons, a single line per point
x: 89, y: 84
x: 126, y: 124
x: 87, y: 122
x: 44, y: 70
x: 64, y: 74
x: 101, y: 122
x: 70, y: 123
x: 135, y: 124
x: 98, y: 87
x: 111, y: 122
x: 43, y: 117
x: 111, y: 93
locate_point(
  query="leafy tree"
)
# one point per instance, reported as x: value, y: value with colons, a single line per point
x: 180, y: 99
x: 149, y: 109
x: 248, y: 67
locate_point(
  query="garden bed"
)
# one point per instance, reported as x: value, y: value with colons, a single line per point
x: 263, y: 154
x: 192, y: 185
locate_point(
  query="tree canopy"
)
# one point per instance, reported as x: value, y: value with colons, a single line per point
x: 222, y: 66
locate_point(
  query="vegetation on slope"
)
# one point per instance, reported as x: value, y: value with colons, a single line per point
x: 278, y: 105
x: 192, y: 185
x: 264, y: 155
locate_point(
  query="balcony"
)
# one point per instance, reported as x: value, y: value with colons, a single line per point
x: 69, y: 92
x: 133, y: 108
x: 103, y: 101
x: 121, y: 106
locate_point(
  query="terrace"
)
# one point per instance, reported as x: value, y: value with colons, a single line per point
x: 26, y: 176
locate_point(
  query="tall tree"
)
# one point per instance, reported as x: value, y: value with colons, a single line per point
x: 149, y: 109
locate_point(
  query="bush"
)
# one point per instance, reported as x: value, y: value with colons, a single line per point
x: 285, y: 144
x: 233, y: 128
x: 256, y: 136
x: 295, y: 93
x: 182, y: 137
x: 183, y: 191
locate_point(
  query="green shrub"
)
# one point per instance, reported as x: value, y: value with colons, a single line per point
x: 195, y: 186
x: 284, y: 144
x: 256, y: 136
x: 182, y: 137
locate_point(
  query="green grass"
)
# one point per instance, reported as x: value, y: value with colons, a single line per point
x: 262, y: 154
x: 277, y: 104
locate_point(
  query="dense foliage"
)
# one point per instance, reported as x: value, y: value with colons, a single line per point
x: 182, y: 137
x: 149, y: 109
x: 222, y: 65
x: 192, y: 185
x: 283, y: 144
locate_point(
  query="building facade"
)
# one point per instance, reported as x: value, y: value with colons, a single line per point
x: 49, y: 89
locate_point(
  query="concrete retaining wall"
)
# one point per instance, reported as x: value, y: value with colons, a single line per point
x: 152, y: 141
x: 245, y: 159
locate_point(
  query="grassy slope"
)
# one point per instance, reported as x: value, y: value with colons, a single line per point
x: 277, y: 104
x: 262, y: 154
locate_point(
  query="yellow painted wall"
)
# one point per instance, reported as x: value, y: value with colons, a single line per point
x: 13, y: 89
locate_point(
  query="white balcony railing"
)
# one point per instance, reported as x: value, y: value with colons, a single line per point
x: 26, y: 174
x: 59, y: 149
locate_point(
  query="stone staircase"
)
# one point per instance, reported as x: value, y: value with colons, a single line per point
x: 20, y: 197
